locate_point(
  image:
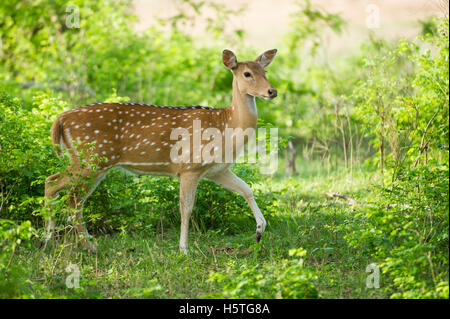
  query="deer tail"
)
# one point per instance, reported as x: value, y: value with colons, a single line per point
x: 57, y: 135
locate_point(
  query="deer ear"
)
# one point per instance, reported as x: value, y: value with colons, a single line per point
x: 265, y: 58
x: 229, y: 59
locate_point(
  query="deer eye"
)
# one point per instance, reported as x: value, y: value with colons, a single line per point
x: 247, y: 74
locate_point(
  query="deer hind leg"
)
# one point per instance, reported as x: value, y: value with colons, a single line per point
x: 232, y: 182
x: 188, y: 187
x: 53, y: 185
x: 78, y: 196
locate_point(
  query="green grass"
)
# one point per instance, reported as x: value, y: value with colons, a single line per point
x: 149, y: 264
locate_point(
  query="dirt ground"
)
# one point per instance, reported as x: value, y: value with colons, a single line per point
x: 265, y: 21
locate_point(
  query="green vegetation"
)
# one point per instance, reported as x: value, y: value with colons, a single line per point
x: 371, y: 185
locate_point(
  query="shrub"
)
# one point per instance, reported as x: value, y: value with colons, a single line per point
x: 26, y: 152
x: 406, y: 231
x: 11, y: 274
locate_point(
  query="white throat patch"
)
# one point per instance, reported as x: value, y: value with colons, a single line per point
x: 251, y: 104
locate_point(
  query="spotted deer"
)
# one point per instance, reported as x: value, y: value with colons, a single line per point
x: 139, y: 138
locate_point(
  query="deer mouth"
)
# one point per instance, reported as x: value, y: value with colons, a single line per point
x: 268, y: 98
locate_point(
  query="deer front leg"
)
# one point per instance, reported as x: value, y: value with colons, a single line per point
x: 230, y: 181
x: 188, y: 187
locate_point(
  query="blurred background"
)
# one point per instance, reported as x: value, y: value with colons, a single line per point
x: 265, y: 22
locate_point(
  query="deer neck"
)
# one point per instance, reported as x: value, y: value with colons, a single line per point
x: 243, y: 109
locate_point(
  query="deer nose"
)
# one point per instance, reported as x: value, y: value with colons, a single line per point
x: 273, y: 93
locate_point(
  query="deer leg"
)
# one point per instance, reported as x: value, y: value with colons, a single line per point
x: 53, y: 185
x: 232, y: 182
x: 78, y: 196
x: 188, y: 187
x: 81, y: 231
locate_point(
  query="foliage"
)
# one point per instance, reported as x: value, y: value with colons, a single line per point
x: 383, y: 106
x: 406, y: 96
x: 407, y: 232
x: 288, y: 280
x: 11, y: 236
x: 26, y: 156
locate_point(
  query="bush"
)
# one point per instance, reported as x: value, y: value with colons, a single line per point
x: 11, y: 275
x: 406, y: 231
x: 26, y: 152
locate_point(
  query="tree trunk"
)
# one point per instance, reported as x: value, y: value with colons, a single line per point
x: 290, y: 159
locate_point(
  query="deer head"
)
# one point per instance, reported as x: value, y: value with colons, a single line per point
x: 250, y: 76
